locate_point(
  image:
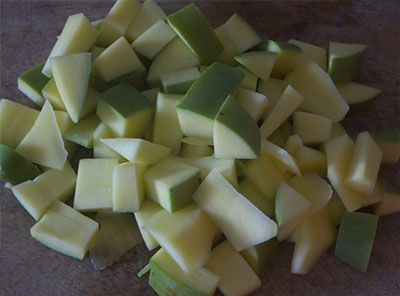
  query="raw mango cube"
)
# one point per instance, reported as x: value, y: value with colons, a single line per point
x: 171, y: 184
x: 365, y: 164
x: 193, y: 28
x: 44, y: 144
x: 50, y: 92
x: 101, y: 150
x: 201, y: 104
x: 78, y: 35
x: 237, y: 277
x: 31, y: 82
x: 260, y: 63
x: 37, y: 195
x: 94, y: 184
x: 249, y: 191
x: 14, y: 168
x: 127, y: 187
x: 137, y: 150
x: 154, y: 39
x: 189, y: 241
x: 193, y: 151
x: 281, y: 156
x: 311, y: 160
x: 15, y: 122
x: 115, y: 61
x: 314, y: 53
x: 254, y: 103
x: 65, y: 230
x: 356, y: 239
x: 125, y: 110
x: 71, y: 74
x: 243, y: 224
x: 117, y: 235
x: 179, y: 82
x: 167, y: 277
x: 82, y: 133
x: 312, y: 128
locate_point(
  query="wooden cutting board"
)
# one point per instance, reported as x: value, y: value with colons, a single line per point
x: 28, y: 31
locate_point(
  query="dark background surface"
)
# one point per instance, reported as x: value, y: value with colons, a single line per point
x: 28, y: 31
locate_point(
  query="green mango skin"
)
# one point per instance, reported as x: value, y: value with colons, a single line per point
x: 346, y: 69
x: 180, y: 193
x: 137, y: 79
x: 126, y: 99
x: 36, y: 81
x: 192, y: 26
x: 14, y: 168
x: 236, y: 118
x: 356, y: 239
x: 214, y: 85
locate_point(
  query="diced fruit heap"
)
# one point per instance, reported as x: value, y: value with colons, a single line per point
x: 211, y: 144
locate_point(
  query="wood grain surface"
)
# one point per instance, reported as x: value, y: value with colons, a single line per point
x: 28, y: 31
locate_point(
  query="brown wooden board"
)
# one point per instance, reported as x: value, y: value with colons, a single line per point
x: 28, y: 31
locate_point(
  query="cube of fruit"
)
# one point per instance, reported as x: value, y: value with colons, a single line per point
x: 137, y: 150
x: 282, y: 134
x: 71, y: 74
x: 78, y: 35
x: 179, y: 82
x: 65, y: 230
x: 167, y: 277
x: 290, y: 210
x: 146, y: 212
x: 200, y: 105
x: 149, y: 14
x: 192, y: 26
x: 31, y: 82
x: 233, y: 213
x: 229, y: 51
x: 273, y: 89
x: 151, y: 94
x: 82, y: 133
x: 117, y: 60
x: 289, y: 101
x: 50, y: 92
x: 97, y: 23
x: 43, y: 144
x: 96, y: 51
x: 173, y: 57
x: 15, y: 122
x: 311, y: 186
x: 154, y: 39
x: 388, y: 140
x: 171, y: 184
x: 345, y: 61
x: 117, y: 235
x: 365, y: 163
x: 337, y: 130
x: 314, y: 53
x: 312, y: 128
x: 36, y: 196
x: 125, y: 110
x: 358, y: 95
x: 193, y: 151
x: 189, y: 240
x: 265, y: 175
x: 259, y: 256
x: 356, y: 239
x: 320, y: 94
x: 237, y: 277
x: 117, y: 21
x: 390, y: 201
x: 311, y: 160
x: 283, y: 158
x: 14, y: 168
x: 313, y: 238
x: 249, y: 191
x: 254, y: 103
x: 226, y: 167
x: 101, y: 150
x: 335, y: 208
x: 339, y: 152
x: 166, y: 128
x: 127, y: 187
x: 94, y: 184
x: 233, y: 139
x: 241, y: 34
x: 260, y: 63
